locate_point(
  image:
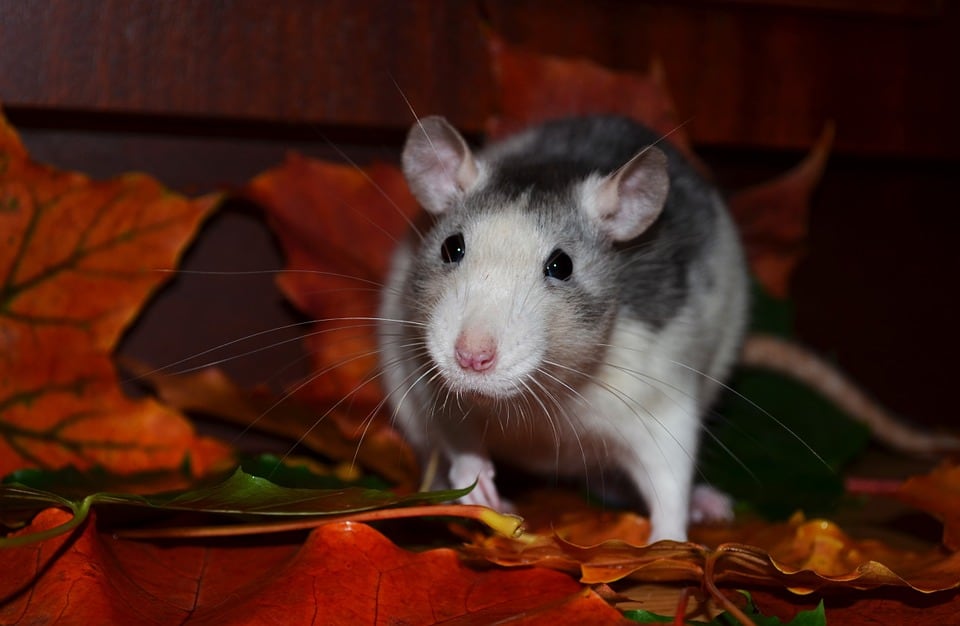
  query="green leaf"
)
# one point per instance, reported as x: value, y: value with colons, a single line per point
x: 20, y: 503
x: 288, y: 474
x: 69, y: 482
x: 768, y: 314
x: 246, y: 494
x: 813, y: 617
x: 646, y: 617
x: 241, y: 494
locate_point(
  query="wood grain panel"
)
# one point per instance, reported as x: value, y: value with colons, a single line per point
x: 331, y: 62
x: 770, y: 74
x: 757, y: 73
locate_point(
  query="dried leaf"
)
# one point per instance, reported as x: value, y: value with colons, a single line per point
x: 78, y: 259
x: 883, y: 606
x: 800, y: 555
x: 338, y: 226
x: 533, y: 87
x: 662, y: 600
x: 820, y: 556
x: 569, y: 516
x: 345, y: 573
x: 209, y: 391
x: 939, y: 494
x: 773, y: 218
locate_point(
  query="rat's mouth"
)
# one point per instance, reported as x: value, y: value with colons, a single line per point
x: 482, y: 389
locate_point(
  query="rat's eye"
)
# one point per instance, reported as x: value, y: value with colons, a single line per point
x: 559, y: 265
x: 453, y: 249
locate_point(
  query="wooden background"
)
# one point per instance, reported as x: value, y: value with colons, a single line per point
x: 205, y: 94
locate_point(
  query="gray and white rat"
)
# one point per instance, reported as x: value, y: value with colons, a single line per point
x: 572, y: 308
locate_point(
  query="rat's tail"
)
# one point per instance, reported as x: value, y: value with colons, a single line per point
x: 790, y: 359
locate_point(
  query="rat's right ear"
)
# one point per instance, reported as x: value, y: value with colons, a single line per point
x: 437, y: 164
x: 629, y: 200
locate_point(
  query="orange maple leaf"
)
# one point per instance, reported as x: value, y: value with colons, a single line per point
x: 939, y: 493
x: 344, y: 573
x: 533, y: 87
x: 773, y: 218
x: 77, y: 261
x: 338, y: 226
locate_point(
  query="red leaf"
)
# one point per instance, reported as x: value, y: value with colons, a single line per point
x: 338, y: 226
x: 534, y: 87
x: 345, y: 573
x: 210, y: 392
x: 938, y: 493
x: 77, y: 261
x: 773, y: 218
x: 881, y: 608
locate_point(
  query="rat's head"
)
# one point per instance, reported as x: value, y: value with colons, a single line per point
x: 518, y: 285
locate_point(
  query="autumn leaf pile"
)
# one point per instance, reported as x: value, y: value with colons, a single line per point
x: 117, y: 512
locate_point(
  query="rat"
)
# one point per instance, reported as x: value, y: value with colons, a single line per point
x: 572, y: 305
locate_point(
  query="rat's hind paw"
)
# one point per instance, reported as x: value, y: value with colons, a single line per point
x: 708, y: 504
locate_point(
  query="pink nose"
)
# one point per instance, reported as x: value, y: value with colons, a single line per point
x: 475, y: 352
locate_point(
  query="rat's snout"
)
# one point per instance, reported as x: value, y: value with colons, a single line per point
x: 475, y: 350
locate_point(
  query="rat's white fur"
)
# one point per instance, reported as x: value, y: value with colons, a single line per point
x: 484, y: 294
x: 638, y: 409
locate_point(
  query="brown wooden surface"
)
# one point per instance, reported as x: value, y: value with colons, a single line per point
x: 766, y: 73
x: 761, y: 75
x: 330, y: 62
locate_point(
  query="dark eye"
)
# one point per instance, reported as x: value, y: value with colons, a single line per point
x: 559, y: 265
x: 453, y: 249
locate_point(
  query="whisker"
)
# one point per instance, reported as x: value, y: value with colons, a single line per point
x: 380, y: 190
x: 251, y: 336
x: 367, y: 422
x: 300, y: 386
x: 632, y: 405
x: 546, y: 413
x: 331, y: 409
x: 221, y: 346
x: 756, y: 406
x: 564, y: 414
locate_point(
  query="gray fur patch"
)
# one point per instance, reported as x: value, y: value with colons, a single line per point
x: 546, y: 163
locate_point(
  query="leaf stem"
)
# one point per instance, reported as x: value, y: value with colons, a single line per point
x: 710, y: 584
x: 80, y: 512
x: 504, y: 524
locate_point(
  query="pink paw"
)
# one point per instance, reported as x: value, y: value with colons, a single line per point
x: 469, y: 468
x: 708, y: 504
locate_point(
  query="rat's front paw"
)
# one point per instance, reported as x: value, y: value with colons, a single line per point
x: 469, y: 468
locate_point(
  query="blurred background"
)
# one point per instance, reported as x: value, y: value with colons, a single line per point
x: 205, y: 95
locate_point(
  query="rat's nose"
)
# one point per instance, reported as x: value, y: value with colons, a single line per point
x: 475, y: 351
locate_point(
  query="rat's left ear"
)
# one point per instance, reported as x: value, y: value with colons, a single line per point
x: 437, y: 164
x: 628, y: 201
